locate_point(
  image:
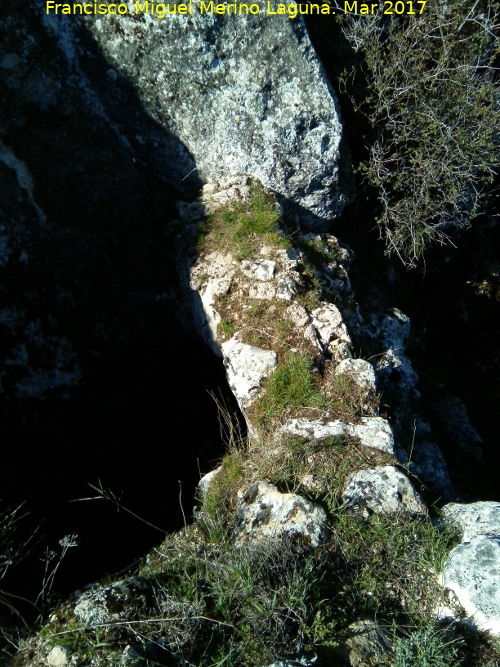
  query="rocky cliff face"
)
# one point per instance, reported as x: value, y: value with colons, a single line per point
x: 134, y: 105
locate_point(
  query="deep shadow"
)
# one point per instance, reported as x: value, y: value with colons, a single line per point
x: 100, y: 274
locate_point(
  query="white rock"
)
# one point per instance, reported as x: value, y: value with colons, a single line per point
x: 262, y: 291
x: 329, y: 323
x: 382, y: 490
x: 373, y: 432
x: 217, y: 194
x: 288, y: 258
x: 246, y: 367
x: 474, y: 519
x: 268, y: 109
x: 298, y: 314
x: 262, y: 269
x: 287, y: 289
x: 58, y: 657
x: 206, y: 480
x: 472, y: 572
x: 340, y: 350
x: 212, y: 317
x: 264, y: 513
x: 361, y: 371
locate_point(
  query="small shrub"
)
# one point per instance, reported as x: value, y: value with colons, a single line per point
x: 426, y: 647
x: 431, y: 97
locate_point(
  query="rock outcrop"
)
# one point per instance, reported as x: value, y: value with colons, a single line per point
x: 278, y: 309
x: 265, y: 106
x: 382, y: 490
x: 226, y: 290
x: 472, y: 570
x: 265, y: 514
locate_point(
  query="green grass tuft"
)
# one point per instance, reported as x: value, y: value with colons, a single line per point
x: 292, y: 385
x: 241, y: 228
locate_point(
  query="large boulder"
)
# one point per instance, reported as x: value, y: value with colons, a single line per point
x: 244, y: 94
x: 472, y: 570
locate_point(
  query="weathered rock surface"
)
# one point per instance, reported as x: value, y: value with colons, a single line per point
x: 472, y: 570
x: 372, y: 432
x: 105, y: 604
x: 268, y: 109
x: 265, y: 514
x: 58, y: 657
x: 474, y: 519
x: 246, y: 368
x: 382, y: 490
x: 360, y: 371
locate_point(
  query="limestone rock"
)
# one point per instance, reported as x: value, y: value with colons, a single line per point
x: 262, y: 269
x: 287, y: 289
x: 104, y: 604
x: 206, y: 480
x: 372, y: 432
x: 362, y: 374
x: 246, y: 367
x: 474, y: 519
x: 328, y: 322
x: 472, y: 570
x: 472, y: 573
x: 298, y: 315
x: 382, y: 490
x: 58, y: 657
x: 209, y: 279
x: 265, y: 291
x: 263, y: 104
x: 264, y: 513
x: 360, y: 371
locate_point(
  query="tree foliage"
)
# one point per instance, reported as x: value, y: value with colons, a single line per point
x: 432, y: 99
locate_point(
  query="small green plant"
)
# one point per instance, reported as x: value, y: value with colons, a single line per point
x: 227, y: 327
x: 242, y: 227
x: 427, y: 647
x: 291, y: 386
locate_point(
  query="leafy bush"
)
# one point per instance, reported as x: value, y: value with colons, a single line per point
x: 433, y: 103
